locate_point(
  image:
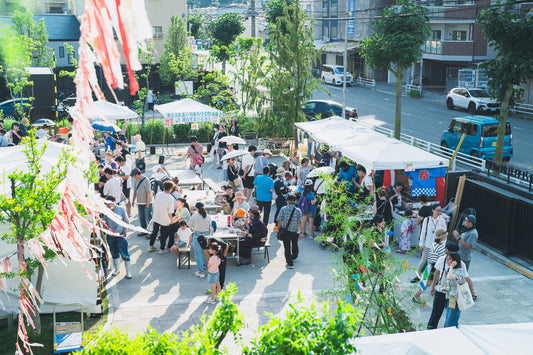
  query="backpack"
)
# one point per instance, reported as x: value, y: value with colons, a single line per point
x: 303, y: 204
x: 157, y: 185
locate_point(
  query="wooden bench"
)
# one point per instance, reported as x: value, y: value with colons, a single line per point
x: 184, y: 257
x: 265, y: 247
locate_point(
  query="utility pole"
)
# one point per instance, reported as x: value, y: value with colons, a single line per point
x: 252, y: 15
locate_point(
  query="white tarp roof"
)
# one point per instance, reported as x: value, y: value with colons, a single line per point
x: 108, y: 111
x: 367, y: 147
x: 187, y: 110
x: 497, y: 339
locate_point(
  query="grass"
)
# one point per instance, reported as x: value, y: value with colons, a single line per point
x: 9, y: 337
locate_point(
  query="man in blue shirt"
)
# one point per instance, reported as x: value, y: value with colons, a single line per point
x: 347, y: 173
x: 109, y: 142
x: 118, y: 245
x: 264, y: 186
x: 262, y: 161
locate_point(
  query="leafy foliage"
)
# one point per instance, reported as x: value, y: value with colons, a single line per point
x: 195, y: 25
x: 400, y: 33
x: 275, y: 9
x: 176, y: 59
x: 369, y: 273
x: 215, y: 91
x: 224, y: 30
x: 289, y: 81
x: 511, y: 36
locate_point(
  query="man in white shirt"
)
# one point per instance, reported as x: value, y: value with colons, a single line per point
x: 248, y: 168
x: 113, y: 185
x: 162, y: 217
x: 125, y: 172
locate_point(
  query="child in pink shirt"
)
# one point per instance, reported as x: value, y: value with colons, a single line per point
x: 212, y: 267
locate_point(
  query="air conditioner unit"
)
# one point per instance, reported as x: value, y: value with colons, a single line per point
x: 325, y: 38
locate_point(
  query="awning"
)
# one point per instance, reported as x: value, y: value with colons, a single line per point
x: 335, y: 47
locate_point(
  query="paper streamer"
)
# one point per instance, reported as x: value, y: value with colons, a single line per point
x: 349, y: 297
x: 422, y: 285
x: 399, y: 288
x: 363, y: 269
x: 355, y: 276
x: 406, y: 266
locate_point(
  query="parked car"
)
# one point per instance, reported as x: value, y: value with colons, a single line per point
x: 474, y: 100
x: 327, y: 108
x: 8, y: 108
x: 334, y: 74
x: 480, y: 139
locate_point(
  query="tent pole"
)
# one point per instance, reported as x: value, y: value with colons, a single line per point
x: 152, y: 133
x: 164, y: 131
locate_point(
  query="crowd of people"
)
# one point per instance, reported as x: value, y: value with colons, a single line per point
x: 18, y: 130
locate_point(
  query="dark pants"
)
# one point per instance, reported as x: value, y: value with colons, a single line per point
x: 265, y: 206
x: 118, y: 246
x: 245, y: 247
x: 290, y: 244
x: 222, y: 271
x: 145, y: 214
x: 166, y: 232
x: 140, y: 164
x: 439, y: 304
x: 280, y: 203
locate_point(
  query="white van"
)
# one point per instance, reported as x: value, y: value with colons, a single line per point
x: 334, y: 74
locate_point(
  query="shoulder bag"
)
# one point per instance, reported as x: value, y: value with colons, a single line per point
x: 464, y: 297
x: 283, y: 233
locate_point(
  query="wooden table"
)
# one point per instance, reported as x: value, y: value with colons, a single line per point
x: 207, y: 197
x: 187, y: 177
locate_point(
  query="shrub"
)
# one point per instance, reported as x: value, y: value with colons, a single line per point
x: 413, y: 93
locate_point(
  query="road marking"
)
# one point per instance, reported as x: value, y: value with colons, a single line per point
x: 497, y: 278
x: 519, y: 269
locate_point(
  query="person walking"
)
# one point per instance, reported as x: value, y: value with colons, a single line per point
x: 234, y: 179
x: 264, y: 186
x: 118, y: 245
x: 455, y: 277
x: 302, y: 171
x: 140, y: 153
x: 309, y: 212
x: 150, y: 99
x: 289, y: 221
x: 427, y: 236
x: 281, y: 189
x: 262, y: 161
x: 195, y: 153
x: 248, y: 171
x: 142, y: 193
x: 162, y: 217
x: 467, y: 239
x: 200, y: 223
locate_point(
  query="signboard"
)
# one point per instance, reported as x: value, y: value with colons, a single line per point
x: 168, y: 123
x: 194, y: 126
x: 350, y: 24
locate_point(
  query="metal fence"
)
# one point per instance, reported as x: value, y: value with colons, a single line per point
x: 409, y: 88
x: 525, y: 109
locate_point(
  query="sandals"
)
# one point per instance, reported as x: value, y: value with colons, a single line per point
x: 474, y: 297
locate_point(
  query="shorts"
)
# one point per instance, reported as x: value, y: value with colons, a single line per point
x: 212, y: 278
x: 126, y: 191
x: 310, y: 214
x: 248, y: 182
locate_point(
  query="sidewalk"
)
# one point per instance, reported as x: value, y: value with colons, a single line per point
x: 172, y: 299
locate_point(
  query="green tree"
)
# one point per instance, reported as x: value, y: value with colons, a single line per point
x: 176, y: 59
x: 289, y: 82
x: 511, y: 35
x: 145, y: 56
x: 195, y: 25
x: 36, y: 37
x: 214, y: 90
x: 275, y: 9
x: 29, y: 208
x: 224, y: 30
x: 396, y: 45
x: 249, y: 64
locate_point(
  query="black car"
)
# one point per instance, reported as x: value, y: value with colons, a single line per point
x: 8, y: 108
x: 327, y: 108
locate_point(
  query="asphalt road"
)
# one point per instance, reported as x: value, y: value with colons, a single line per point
x: 425, y: 119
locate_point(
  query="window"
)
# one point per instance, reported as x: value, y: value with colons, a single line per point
x: 61, y: 52
x: 455, y: 127
x: 458, y: 35
x: 436, y: 35
x: 157, y: 31
x: 334, y: 32
x: 339, y: 60
x: 70, y: 56
x: 492, y: 130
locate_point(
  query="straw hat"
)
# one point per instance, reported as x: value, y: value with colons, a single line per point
x: 440, y: 233
x: 239, y: 194
x: 281, y: 172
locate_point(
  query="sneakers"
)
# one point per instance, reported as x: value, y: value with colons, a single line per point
x: 210, y: 301
x: 164, y: 251
x: 289, y: 266
x: 152, y: 248
x: 415, y: 280
x: 142, y: 234
x: 417, y: 299
x: 200, y: 275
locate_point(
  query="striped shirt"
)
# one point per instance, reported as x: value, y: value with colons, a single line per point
x: 437, y: 250
x: 285, y: 215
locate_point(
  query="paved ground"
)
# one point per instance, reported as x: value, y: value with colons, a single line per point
x: 172, y: 300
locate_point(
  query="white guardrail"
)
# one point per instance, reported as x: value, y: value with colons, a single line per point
x: 522, y: 108
x: 461, y: 158
x: 366, y: 82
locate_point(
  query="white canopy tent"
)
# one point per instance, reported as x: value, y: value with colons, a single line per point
x: 497, y: 339
x: 108, y: 111
x: 369, y: 148
x: 65, y: 281
x: 187, y: 111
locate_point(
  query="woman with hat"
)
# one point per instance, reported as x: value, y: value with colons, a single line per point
x: 239, y: 201
x: 200, y: 223
x: 252, y: 235
x: 281, y: 189
x: 438, y: 249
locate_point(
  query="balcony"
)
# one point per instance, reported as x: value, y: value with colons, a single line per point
x: 449, y: 48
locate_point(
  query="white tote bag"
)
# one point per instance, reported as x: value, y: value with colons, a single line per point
x: 464, y: 297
